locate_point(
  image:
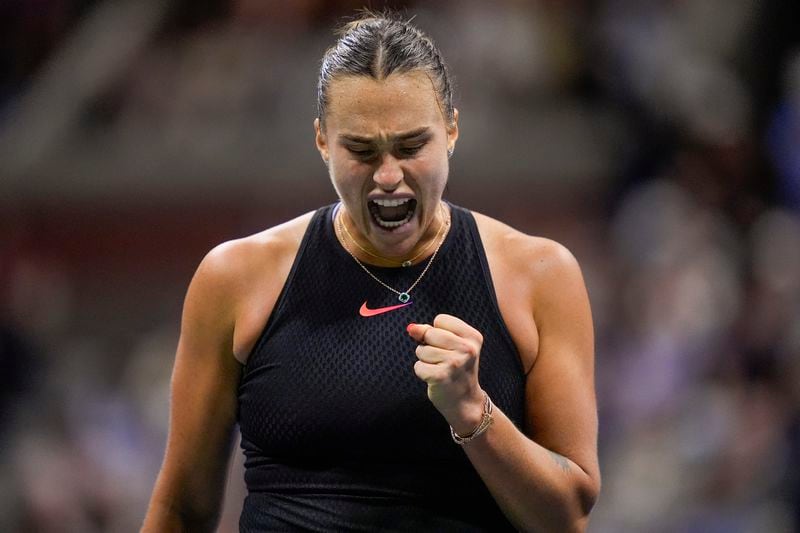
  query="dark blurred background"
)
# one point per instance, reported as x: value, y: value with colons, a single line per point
x: 658, y: 139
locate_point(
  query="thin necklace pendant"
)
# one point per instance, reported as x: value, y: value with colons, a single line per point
x: 404, y: 296
x: 406, y: 264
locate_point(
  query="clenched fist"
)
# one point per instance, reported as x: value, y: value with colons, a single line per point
x: 448, y: 355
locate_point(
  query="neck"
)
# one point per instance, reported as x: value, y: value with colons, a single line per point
x: 360, y: 247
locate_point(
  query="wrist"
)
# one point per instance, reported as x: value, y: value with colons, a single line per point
x: 470, y: 414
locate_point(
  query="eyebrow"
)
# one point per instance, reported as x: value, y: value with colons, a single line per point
x: 400, y: 137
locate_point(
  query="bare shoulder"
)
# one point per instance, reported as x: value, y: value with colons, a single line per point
x: 233, y: 272
x: 543, y: 260
x: 234, y: 262
x: 537, y: 282
x: 241, y: 252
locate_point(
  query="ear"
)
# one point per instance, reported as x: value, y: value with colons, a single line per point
x: 452, y: 132
x: 321, y: 140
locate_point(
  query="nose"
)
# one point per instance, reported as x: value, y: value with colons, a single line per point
x: 389, y: 174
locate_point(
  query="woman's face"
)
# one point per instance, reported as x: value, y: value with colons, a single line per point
x: 385, y: 143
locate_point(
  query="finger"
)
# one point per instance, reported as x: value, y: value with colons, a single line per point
x: 451, y: 363
x: 441, y: 338
x: 429, y: 373
x: 456, y: 326
x: 427, y: 334
x: 418, y: 331
x: 432, y: 354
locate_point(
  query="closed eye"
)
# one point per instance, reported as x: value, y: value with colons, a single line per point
x: 410, y: 150
x: 361, y: 153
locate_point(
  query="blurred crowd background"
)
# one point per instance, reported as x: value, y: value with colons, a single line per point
x: 658, y: 139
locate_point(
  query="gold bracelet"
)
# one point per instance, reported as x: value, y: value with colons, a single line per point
x: 486, y: 421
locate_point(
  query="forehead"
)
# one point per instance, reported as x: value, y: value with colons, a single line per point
x: 400, y: 102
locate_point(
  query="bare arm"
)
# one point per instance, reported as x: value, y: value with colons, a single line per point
x: 189, y: 489
x: 547, y: 477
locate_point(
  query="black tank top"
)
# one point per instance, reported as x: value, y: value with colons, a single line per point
x: 337, y: 431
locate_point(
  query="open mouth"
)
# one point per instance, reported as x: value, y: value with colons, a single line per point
x: 391, y: 214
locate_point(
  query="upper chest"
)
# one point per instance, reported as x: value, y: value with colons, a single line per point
x: 510, y: 284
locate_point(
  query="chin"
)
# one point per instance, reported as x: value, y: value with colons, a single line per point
x: 395, y: 241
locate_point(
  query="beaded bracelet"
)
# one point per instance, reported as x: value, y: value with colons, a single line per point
x: 486, y: 421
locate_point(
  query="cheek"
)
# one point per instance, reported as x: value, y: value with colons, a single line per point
x: 434, y: 172
x: 347, y: 176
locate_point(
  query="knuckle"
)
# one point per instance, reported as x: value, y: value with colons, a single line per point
x: 479, y: 338
x: 465, y: 346
x: 466, y: 361
x: 475, y: 345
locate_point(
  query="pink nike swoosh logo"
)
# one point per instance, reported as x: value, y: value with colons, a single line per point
x: 366, y: 311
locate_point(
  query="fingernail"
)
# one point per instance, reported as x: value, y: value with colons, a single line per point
x: 408, y: 328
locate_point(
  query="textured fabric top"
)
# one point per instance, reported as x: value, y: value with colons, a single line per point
x: 337, y: 430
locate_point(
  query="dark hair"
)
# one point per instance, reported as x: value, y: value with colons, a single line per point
x: 377, y: 45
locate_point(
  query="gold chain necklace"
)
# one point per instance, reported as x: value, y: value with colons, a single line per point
x: 403, y: 296
x: 407, y: 262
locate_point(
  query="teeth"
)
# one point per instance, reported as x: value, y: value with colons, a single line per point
x: 395, y: 224
x: 391, y: 203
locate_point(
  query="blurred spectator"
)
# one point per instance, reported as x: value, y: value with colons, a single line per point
x: 784, y: 135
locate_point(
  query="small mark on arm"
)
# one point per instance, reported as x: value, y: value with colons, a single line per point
x: 560, y: 460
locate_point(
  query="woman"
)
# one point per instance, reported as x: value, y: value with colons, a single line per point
x: 346, y: 341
